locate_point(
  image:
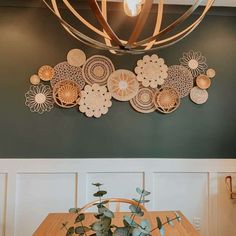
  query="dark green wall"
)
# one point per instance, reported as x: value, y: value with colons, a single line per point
x: 31, y: 37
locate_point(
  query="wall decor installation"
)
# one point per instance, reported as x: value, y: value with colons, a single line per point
x: 153, y: 87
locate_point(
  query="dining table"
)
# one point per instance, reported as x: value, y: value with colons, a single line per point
x: 56, y: 224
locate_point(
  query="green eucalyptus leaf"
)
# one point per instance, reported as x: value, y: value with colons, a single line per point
x: 170, y: 222
x: 70, y: 231
x: 145, y: 226
x: 136, y: 210
x: 81, y: 229
x: 140, y: 200
x: 74, y: 210
x: 177, y: 216
x: 108, y: 213
x: 97, y: 226
x: 142, y: 192
x: 80, y: 218
x: 121, y: 231
x: 98, y: 215
x: 138, y: 232
x: 97, y: 184
x: 130, y: 222
x: 100, y: 193
x: 159, y: 223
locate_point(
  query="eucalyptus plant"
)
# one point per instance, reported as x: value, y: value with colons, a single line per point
x: 103, y: 225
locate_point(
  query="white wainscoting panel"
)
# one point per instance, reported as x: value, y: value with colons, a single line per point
x: 38, y: 194
x: 3, y: 179
x: 117, y: 185
x: 226, y: 207
x: 187, y: 192
x: 32, y: 188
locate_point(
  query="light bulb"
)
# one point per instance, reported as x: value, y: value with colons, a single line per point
x: 133, y: 7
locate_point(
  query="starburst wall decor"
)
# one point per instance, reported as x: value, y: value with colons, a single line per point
x: 90, y: 84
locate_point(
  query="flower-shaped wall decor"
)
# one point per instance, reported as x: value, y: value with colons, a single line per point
x: 39, y: 98
x: 195, y: 62
x: 123, y: 85
x: 95, y: 100
x: 151, y: 71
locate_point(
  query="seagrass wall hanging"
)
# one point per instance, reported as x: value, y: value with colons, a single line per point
x: 91, y: 84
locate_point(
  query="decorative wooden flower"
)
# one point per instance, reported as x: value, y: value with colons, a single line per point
x: 123, y: 85
x: 195, y: 62
x: 95, y: 100
x: 151, y: 71
x: 39, y: 98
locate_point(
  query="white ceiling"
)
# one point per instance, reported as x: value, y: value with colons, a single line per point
x: 226, y: 3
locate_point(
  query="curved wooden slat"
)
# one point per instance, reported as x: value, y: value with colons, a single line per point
x: 138, y: 48
x: 97, y: 12
x: 142, y: 18
x: 104, y: 12
x: 158, y: 23
x: 173, y: 25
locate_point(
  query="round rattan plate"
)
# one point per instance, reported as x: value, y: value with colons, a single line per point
x: 167, y: 100
x: 211, y: 73
x: 46, y: 73
x: 76, y: 57
x: 65, y: 71
x: 34, y: 79
x: 97, y: 69
x: 143, y: 102
x: 179, y: 78
x: 66, y: 93
x: 198, y: 96
x: 123, y: 85
x: 203, y: 82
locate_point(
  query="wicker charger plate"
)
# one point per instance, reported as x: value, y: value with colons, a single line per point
x: 167, y: 100
x: 143, y: 102
x: 179, y: 78
x: 123, y: 85
x: 97, y: 69
x: 211, y: 73
x: 46, y: 73
x: 65, y: 71
x: 66, y: 93
x: 198, y: 96
x: 203, y: 82
x: 76, y: 57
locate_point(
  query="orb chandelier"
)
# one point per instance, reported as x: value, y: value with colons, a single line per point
x: 159, y: 37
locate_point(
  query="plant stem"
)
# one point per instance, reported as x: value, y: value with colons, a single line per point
x: 165, y: 223
x: 133, y: 215
x: 100, y: 198
x: 83, y: 228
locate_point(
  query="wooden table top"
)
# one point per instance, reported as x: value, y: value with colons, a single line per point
x: 52, y: 224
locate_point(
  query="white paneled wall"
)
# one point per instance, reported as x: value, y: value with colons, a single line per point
x: 38, y: 194
x: 185, y: 191
x: 30, y: 189
x: 2, y: 202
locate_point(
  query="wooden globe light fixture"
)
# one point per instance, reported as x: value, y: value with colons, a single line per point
x: 159, y: 37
